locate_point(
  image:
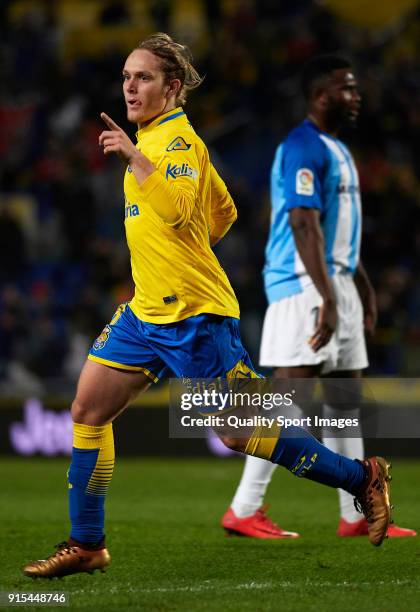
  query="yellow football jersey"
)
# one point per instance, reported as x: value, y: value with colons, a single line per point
x: 169, y: 219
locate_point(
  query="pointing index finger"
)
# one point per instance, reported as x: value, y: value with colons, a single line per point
x: 109, y: 122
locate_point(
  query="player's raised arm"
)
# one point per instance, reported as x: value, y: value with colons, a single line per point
x: 115, y: 140
x: 223, y: 210
x: 173, y: 203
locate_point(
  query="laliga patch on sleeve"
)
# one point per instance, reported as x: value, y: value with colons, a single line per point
x: 305, y: 182
x: 178, y: 144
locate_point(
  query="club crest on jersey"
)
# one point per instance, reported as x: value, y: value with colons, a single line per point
x: 305, y: 182
x: 176, y: 170
x: 102, y: 339
x: 178, y: 144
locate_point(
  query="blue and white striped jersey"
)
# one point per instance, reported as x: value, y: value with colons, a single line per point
x: 312, y: 169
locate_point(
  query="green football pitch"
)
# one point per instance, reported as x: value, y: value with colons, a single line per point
x: 170, y: 554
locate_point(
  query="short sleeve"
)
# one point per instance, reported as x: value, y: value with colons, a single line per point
x: 303, y: 166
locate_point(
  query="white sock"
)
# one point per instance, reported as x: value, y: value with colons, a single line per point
x: 256, y: 477
x: 349, y: 447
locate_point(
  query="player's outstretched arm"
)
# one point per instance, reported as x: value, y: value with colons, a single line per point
x: 309, y: 240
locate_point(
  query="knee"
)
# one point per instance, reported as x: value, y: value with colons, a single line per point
x: 236, y: 444
x: 87, y: 413
x: 79, y: 412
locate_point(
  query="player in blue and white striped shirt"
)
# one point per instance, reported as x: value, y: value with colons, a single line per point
x: 321, y: 302
x: 312, y: 170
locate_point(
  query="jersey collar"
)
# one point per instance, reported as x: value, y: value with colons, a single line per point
x: 314, y: 126
x: 311, y: 123
x: 164, y: 118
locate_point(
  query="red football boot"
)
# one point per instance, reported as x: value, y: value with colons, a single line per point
x: 360, y: 528
x: 400, y: 532
x: 258, y: 525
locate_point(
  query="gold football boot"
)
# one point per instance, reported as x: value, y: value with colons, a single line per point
x: 68, y: 560
x: 373, y: 500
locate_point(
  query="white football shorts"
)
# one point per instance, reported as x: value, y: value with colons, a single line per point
x: 290, y: 323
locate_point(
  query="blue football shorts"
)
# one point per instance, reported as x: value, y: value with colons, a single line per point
x: 203, y: 346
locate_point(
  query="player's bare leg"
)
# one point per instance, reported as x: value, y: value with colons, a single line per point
x: 102, y: 394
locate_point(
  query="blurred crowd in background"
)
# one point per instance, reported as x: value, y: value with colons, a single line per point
x: 65, y: 264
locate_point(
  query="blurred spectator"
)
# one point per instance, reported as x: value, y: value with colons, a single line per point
x: 114, y: 12
x: 12, y: 246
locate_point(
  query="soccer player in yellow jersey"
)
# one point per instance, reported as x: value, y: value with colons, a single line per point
x: 184, y: 316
